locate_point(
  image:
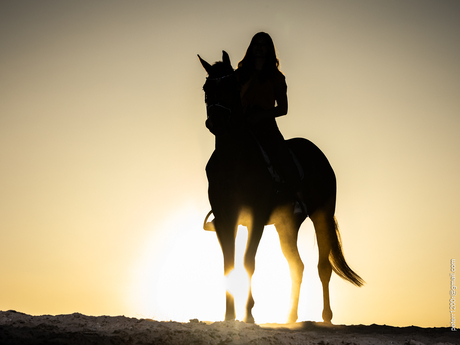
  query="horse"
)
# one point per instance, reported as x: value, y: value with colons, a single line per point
x: 242, y: 191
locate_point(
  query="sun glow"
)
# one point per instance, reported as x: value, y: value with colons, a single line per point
x: 179, y: 275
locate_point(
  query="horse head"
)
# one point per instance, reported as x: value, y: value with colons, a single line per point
x: 221, y: 95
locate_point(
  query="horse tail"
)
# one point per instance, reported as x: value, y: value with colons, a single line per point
x: 337, y: 259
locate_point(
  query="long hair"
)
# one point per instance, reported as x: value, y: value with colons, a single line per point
x: 247, y: 65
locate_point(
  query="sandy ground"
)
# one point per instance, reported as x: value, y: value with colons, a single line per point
x: 19, y: 328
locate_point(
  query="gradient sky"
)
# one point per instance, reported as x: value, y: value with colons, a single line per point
x: 103, y: 149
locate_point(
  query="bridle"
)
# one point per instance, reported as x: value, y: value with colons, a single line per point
x: 217, y: 104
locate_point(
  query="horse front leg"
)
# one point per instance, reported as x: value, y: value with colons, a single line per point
x: 254, y: 236
x: 226, y: 233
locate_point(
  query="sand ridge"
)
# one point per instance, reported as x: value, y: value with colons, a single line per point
x: 20, y: 328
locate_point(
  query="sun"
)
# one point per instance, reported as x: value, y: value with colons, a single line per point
x: 178, y: 275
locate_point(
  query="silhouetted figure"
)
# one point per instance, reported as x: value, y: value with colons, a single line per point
x: 264, y: 98
x: 243, y: 191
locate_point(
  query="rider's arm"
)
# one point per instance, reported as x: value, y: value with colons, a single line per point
x: 280, y: 108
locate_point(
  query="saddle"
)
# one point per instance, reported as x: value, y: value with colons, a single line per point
x: 271, y: 168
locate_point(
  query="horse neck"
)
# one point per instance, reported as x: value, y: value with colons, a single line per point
x: 239, y: 149
x: 233, y: 141
x: 236, y: 133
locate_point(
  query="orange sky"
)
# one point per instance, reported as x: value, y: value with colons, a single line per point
x: 103, y: 148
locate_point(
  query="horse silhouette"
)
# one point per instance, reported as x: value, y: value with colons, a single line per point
x: 242, y: 191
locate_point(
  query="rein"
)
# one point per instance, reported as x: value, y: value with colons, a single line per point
x: 220, y: 78
x: 219, y: 106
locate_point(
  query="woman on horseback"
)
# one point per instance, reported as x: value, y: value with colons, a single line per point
x: 264, y: 98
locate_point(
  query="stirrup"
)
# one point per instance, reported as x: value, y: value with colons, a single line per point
x: 209, y: 226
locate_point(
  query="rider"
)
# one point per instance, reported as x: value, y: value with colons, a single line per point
x: 264, y: 97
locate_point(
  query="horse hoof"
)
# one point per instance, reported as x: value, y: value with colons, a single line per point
x: 249, y: 319
x: 327, y: 317
x: 292, y: 320
x: 230, y: 317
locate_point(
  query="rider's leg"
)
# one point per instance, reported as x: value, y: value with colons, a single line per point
x: 285, y: 165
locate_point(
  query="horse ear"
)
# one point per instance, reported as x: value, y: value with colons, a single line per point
x: 226, y: 58
x: 205, y: 65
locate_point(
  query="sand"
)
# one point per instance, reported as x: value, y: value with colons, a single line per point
x: 19, y: 328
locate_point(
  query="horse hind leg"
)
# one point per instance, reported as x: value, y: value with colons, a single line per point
x: 322, y: 223
x: 288, y: 233
x: 331, y: 257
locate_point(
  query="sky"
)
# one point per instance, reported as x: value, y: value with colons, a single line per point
x: 103, y: 147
